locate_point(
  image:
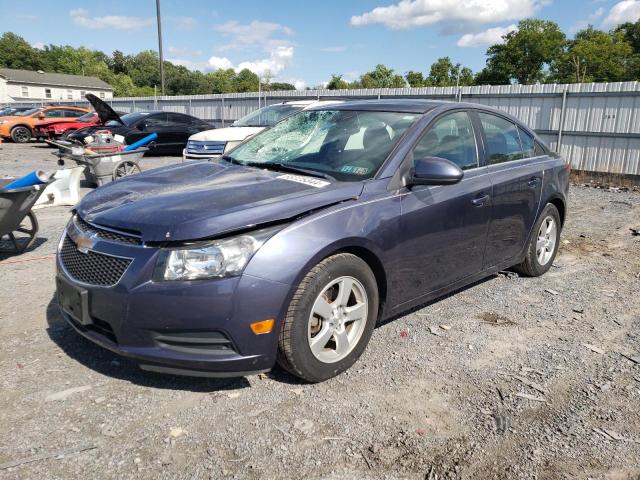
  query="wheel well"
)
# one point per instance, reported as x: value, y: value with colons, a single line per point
x: 376, y: 267
x: 559, y: 204
x: 21, y: 125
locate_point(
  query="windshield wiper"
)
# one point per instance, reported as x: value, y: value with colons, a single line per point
x: 313, y: 173
x: 282, y: 167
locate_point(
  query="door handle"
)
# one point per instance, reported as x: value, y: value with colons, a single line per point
x: 533, y: 181
x: 480, y: 201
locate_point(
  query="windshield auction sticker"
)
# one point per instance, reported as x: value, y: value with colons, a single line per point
x: 313, y: 182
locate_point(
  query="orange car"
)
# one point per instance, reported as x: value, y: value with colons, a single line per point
x: 20, y: 127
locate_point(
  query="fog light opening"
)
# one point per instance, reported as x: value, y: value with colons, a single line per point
x: 263, y: 326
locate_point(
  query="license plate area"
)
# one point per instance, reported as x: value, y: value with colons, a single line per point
x: 73, y: 300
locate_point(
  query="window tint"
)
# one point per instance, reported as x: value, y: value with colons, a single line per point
x: 503, y: 141
x: 73, y: 113
x: 55, y: 113
x: 451, y: 137
x: 175, y: 119
x: 528, y: 145
x: 155, y: 121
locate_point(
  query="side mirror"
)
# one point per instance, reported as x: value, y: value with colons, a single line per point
x: 435, y: 171
x: 41, y: 115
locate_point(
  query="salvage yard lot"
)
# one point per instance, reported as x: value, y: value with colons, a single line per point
x: 511, y: 378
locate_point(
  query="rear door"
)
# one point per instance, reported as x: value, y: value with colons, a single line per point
x: 516, y: 176
x: 444, y: 228
x: 179, y: 128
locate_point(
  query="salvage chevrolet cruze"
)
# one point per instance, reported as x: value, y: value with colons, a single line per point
x: 292, y: 246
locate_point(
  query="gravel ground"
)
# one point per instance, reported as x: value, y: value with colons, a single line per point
x: 510, y: 378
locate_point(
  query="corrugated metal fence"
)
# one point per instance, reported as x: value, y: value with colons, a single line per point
x: 594, y: 125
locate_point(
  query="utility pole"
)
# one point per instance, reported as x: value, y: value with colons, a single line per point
x: 160, y: 48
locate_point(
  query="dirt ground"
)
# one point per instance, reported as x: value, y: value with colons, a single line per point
x: 510, y: 378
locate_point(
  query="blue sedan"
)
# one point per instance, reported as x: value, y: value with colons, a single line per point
x: 293, y: 246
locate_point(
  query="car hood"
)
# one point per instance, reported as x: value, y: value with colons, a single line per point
x: 199, y: 200
x: 104, y: 111
x: 229, y: 134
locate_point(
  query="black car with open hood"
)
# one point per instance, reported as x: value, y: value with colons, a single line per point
x: 173, y: 129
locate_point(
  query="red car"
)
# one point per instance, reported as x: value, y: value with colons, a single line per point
x: 60, y: 129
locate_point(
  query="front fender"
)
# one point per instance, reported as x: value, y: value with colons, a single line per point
x: 290, y: 254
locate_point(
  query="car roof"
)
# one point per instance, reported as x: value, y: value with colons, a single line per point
x: 400, y: 105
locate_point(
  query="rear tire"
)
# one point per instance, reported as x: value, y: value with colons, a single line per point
x: 543, y: 244
x: 21, y: 134
x: 330, y: 319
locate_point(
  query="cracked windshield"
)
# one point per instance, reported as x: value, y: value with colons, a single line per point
x: 338, y: 144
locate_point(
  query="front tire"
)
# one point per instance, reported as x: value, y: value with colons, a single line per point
x: 543, y: 244
x: 330, y: 319
x: 21, y: 134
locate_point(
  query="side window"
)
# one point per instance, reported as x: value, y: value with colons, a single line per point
x: 528, y: 144
x: 450, y: 137
x: 503, y: 141
x: 155, y: 121
x: 55, y: 113
x: 175, y: 119
x: 73, y: 113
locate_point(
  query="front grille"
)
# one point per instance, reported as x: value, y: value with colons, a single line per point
x: 91, y: 268
x: 196, y: 147
x: 105, y: 234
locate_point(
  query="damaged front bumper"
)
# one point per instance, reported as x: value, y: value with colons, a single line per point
x: 198, y: 328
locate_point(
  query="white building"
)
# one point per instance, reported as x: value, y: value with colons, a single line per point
x: 27, y: 85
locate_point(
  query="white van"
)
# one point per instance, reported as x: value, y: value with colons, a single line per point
x: 214, y: 143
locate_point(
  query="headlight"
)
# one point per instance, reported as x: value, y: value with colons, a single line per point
x: 220, y: 258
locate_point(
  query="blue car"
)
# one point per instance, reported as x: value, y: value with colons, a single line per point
x: 293, y: 246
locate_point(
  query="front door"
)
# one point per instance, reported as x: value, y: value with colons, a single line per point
x: 444, y: 228
x: 516, y: 176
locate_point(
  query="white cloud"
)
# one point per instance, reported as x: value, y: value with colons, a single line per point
x: 300, y: 84
x: 277, y: 61
x: 254, y: 33
x: 38, y: 45
x: 184, y: 52
x: 621, y: 12
x: 489, y: 37
x: 81, y: 17
x: 216, y: 63
x: 423, y: 13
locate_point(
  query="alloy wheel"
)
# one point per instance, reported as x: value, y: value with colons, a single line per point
x: 547, y: 238
x: 337, y: 319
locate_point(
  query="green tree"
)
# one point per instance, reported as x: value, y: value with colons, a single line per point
x: 415, y: 79
x: 631, y: 32
x: 16, y: 52
x: 525, y: 54
x: 337, y: 83
x: 221, y: 81
x: 444, y: 73
x: 274, y: 86
x: 245, y: 81
x: 144, y: 69
x: 595, y: 56
x: 381, y: 77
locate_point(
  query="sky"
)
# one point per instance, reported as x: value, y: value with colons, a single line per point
x: 300, y: 41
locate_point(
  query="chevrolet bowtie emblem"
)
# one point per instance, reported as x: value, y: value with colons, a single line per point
x: 85, y: 243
